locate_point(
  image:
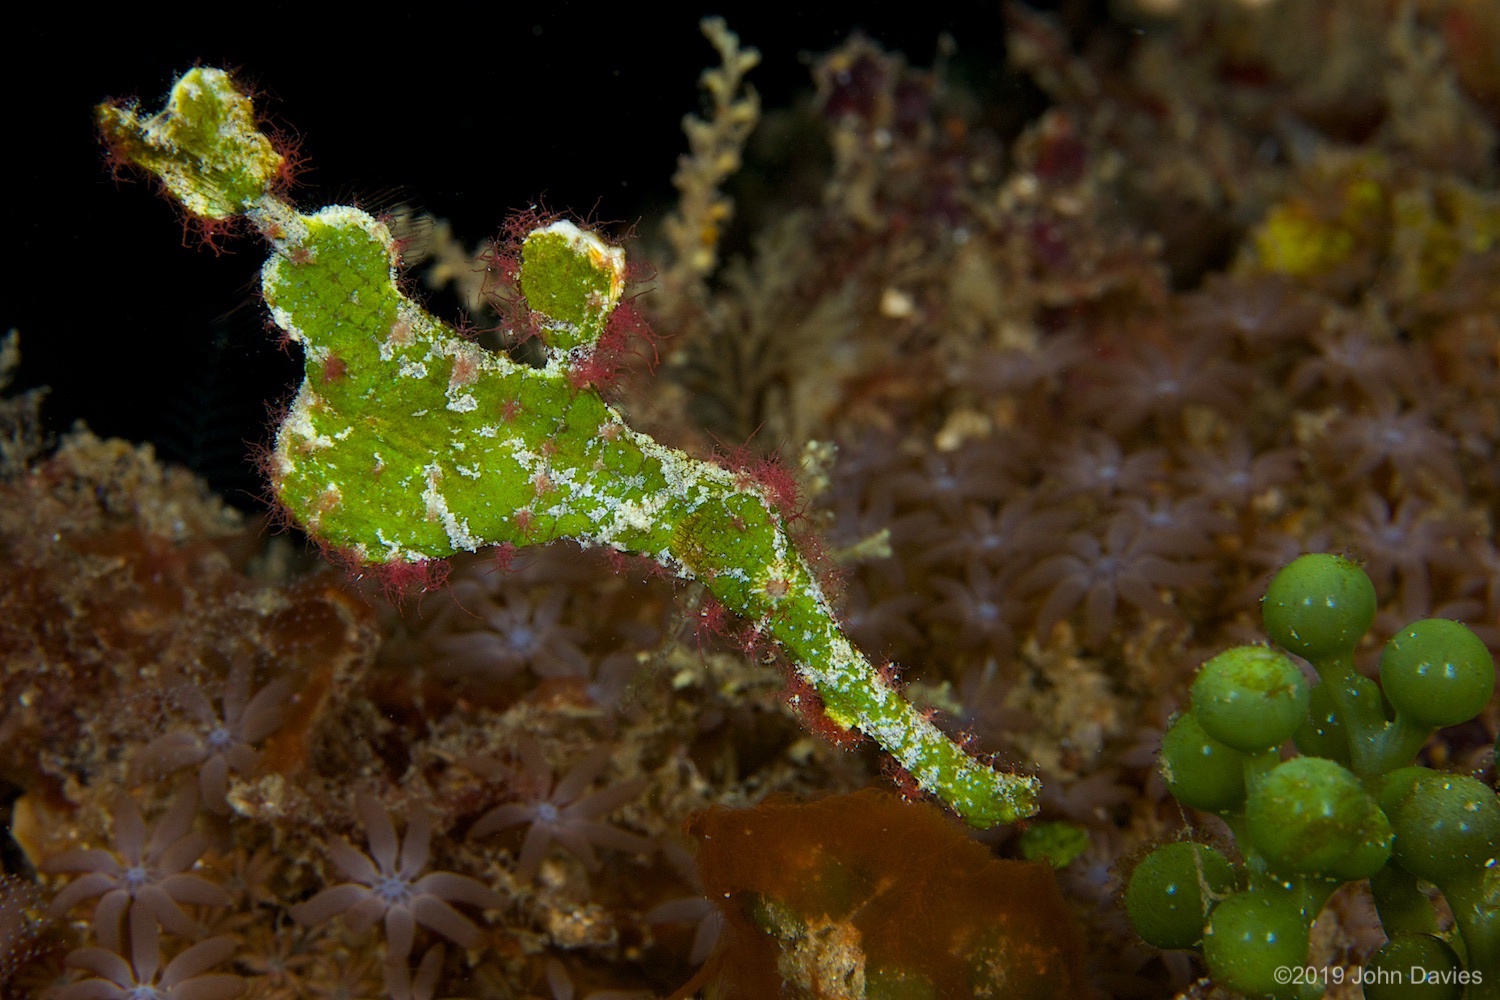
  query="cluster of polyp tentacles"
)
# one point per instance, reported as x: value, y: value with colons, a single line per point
x: 407, y: 443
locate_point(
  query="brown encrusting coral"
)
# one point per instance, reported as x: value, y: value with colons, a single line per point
x: 1060, y: 395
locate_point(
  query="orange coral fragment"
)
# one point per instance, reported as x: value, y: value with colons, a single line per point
x: 855, y: 895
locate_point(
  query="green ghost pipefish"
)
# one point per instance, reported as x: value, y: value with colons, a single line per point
x: 407, y: 442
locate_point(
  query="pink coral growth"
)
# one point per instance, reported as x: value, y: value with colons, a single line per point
x: 1260, y: 310
x: 388, y: 884
x: 979, y: 610
x: 1154, y: 383
x: 1351, y: 357
x: 1404, y: 546
x: 1235, y: 472
x: 219, y: 742
x: 142, y: 977
x: 1094, y: 465
x: 984, y: 536
x: 1096, y: 573
x: 496, y: 634
x: 564, y: 812
x: 1387, y: 440
x: 145, y: 878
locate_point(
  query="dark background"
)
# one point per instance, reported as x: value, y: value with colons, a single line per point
x: 466, y: 113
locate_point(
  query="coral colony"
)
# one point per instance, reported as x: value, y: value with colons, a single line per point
x: 1147, y: 417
